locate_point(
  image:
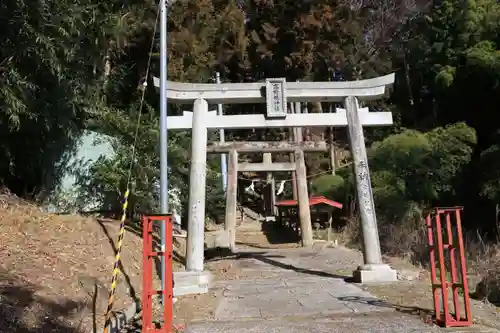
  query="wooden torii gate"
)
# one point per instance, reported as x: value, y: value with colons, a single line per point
x: 298, y: 166
x: 276, y: 93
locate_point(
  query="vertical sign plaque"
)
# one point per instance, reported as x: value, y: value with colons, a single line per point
x: 276, y: 98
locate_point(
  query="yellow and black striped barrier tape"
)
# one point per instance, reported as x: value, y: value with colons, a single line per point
x: 116, y: 268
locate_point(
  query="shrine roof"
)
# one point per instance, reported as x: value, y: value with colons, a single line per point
x: 314, y: 200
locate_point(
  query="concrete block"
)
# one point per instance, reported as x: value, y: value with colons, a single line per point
x: 190, y: 290
x: 187, y: 283
x: 190, y: 278
x: 216, y: 239
x: 375, y: 273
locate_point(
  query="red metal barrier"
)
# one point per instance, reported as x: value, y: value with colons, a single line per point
x: 447, y: 263
x: 147, y: 276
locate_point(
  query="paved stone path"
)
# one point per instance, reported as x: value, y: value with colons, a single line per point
x: 296, y: 291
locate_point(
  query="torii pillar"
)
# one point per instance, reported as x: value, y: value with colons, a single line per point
x: 373, y: 269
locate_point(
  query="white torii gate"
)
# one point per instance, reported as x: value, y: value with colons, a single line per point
x: 276, y: 93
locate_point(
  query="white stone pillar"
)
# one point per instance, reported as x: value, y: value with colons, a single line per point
x: 197, y: 183
x: 303, y: 199
x: 373, y: 269
x: 232, y: 199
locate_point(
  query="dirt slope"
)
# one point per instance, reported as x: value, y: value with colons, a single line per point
x: 55, y: 271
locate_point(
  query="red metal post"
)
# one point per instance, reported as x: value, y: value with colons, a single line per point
x: 168, y: 306
x: 432, y: 252
x: 463, y: 268
x: 434, y: 227
x: 453, y: 267
x: 442, y: 268
x: 147, y: 248
x: 147, y: 284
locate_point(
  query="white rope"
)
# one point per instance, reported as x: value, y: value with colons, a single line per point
x: 251, y: 188
x: 281, y: 188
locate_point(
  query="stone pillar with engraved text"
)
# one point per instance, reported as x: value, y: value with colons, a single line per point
x: 373, y: 269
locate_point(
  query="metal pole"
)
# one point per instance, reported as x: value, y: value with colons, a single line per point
x: 163, y: 132
x: 223, y: 162
x: 292, y: 156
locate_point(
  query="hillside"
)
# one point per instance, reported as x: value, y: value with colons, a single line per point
x: 55, y: 271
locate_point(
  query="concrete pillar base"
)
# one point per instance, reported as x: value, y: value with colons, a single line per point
x: 217, y: 239
x: 188, y: 283
x: 375, y: 273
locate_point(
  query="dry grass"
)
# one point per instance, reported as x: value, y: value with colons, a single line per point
x: 55, y: 271
x: 486, y: 266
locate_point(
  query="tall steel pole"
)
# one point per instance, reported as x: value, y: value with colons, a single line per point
x: 223, y: 162
x: 163, y: 131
